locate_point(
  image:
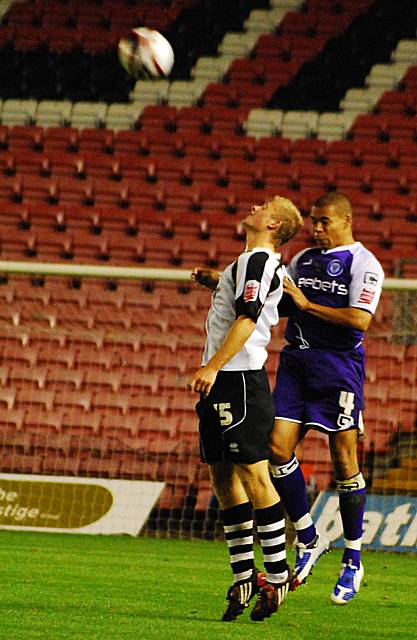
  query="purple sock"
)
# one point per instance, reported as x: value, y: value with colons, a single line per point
x: 352, y: 507
x: 289, y: 481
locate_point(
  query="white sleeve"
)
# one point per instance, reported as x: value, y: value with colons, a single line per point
x: 367, y: 277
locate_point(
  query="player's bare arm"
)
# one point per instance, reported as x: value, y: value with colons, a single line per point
x: 208, y: 278
x: 240, y: 331
x: 347, y: 316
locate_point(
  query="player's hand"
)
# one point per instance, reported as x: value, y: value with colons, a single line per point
x: 206, y: 277
x: 296, y: 294
x: 203, y: 380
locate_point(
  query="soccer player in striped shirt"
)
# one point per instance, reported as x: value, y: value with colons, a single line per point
x: 236, y: 410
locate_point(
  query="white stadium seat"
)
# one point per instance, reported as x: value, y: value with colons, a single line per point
x: 85, y: 115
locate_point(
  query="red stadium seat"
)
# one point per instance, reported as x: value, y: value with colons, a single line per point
x: 29, y: 463
x: 23, y: 375
x: 97, y: 140
x: 69, y: 398
x: 43, y: 397
x: 14, y: 417
x: 61, y: 464
x: 78, y: 421
x: 60, y: 377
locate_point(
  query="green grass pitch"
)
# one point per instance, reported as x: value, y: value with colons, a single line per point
x: 56, y: 587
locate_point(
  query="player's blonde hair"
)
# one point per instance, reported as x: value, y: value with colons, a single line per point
x: 290, y: 217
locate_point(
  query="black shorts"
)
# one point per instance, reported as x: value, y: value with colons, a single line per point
x: 237, y: 418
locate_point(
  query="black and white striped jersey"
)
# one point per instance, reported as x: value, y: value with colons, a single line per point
x: 252, y: 287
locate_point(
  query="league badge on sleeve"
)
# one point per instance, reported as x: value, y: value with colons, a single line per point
x: 251, y: 291
x: 371, y: 278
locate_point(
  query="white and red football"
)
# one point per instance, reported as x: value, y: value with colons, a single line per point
x: 146, y: 52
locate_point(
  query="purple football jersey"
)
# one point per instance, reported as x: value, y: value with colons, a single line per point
x: 347, y: 276
x: 322, y: 371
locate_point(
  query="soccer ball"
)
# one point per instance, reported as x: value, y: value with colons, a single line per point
x: 145, y: 52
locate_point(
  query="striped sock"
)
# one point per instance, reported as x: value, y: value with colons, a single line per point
x: 238, y: 529
x: 271, y: 531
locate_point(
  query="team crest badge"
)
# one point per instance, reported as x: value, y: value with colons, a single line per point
x: 334, y: 268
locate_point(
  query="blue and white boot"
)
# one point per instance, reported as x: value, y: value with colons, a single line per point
x: 348, y: 584
x: 306, y: 557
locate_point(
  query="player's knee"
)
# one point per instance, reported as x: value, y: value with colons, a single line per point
x: 258, y: 486
x: 281, y: 452
x: 284, y: 439
x: 344, y: 456
x: 345, y: 465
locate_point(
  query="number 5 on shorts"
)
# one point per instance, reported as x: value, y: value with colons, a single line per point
x: 225, y: 416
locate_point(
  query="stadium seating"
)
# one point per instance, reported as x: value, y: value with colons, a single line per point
x: 166, y: 185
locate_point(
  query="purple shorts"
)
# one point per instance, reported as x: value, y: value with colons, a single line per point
x: 321, y: 389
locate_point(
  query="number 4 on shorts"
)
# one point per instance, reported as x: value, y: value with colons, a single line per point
x: 347, y: 402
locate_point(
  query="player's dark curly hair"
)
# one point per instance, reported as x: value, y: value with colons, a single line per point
x: 339, y: 201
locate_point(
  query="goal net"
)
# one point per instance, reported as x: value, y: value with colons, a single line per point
x: 93, y: 371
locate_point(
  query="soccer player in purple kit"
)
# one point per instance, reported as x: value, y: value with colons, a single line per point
x: 332, y: 293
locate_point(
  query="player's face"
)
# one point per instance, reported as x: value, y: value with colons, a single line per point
x: 258, y: 218
x: 330, y: 229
